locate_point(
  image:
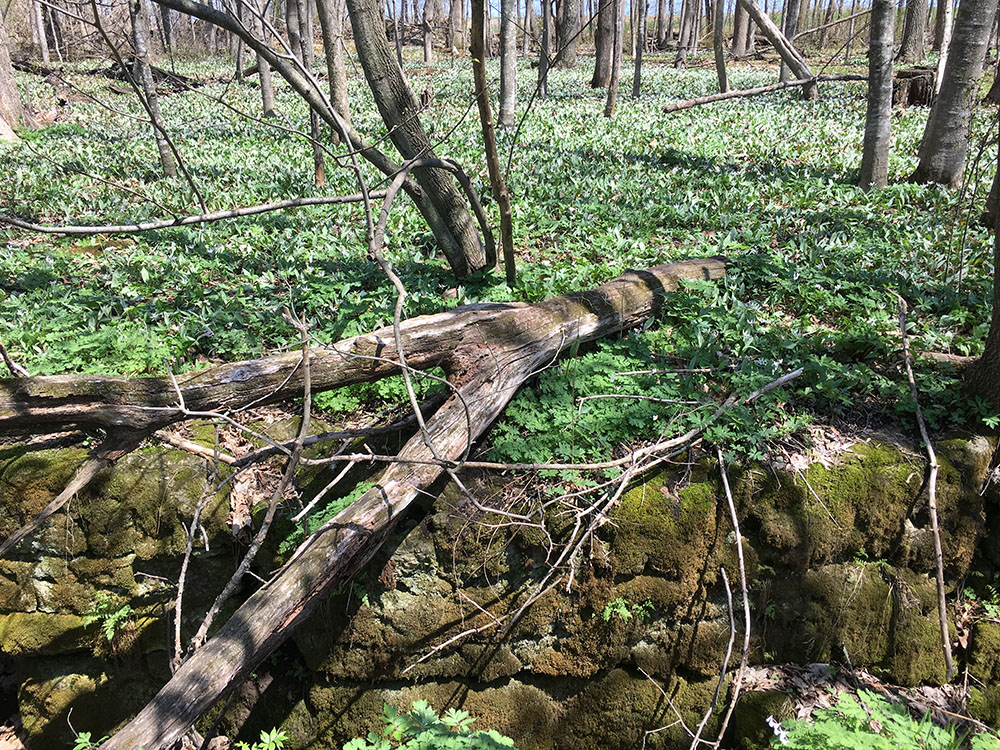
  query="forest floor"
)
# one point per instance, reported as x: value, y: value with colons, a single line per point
x: 767, y: 182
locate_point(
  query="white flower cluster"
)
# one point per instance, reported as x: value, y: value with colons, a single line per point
x: 779, y: 731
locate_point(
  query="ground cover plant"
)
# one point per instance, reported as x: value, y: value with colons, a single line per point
x: 767, y: 183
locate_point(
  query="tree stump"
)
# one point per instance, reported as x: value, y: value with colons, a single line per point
x: 913, y: 87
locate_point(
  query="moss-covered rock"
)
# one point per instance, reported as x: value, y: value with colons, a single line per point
x: 749, y: 729
x: 35, y: 633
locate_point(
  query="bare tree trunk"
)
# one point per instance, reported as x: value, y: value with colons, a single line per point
x: 637, y: 72
x: 400, y: 31
x: 12, y: 113
x: 508, y: 62
x: 719, y: 42
x: 940, y: 18
x: 604, y: 43
x: 167, y: 25
x: 983, y: 377
x: 453, y: 21
x: 397, y: 103
x: 144, y: 76
x: 790, y: 25
x: 543, y: 55
x: 824, y: 33
x: 263, y: 67
x: 946, y: 137
x: 670, y: 24
x: 911, y: 48
x: 428, y: 30
x: 946, y: 39
x: 529, y: 26
x: 661, y: 23
x: 741, y: 30
x: 850, y: 32
x: 569, y: 18
x: 875, y: 158
x: 497, y: 183
x: 616, y: 62
x: 331, y: 21
x: 43, y: 42
x: 686, y: 32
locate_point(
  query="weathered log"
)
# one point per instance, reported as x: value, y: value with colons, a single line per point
x: 488, y: 351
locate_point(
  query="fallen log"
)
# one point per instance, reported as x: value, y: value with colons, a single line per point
x: 789, y: 55
x: 740, y: 93
x: 487, y: 351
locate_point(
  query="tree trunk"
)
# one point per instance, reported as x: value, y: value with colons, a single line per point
x: 983, y: 377
x: 875, y: 158
x: 569, y: 19
x: 637, y: 72
x: 38, y: 19
x: 940, y: 16
x: 824, y: 33
x: 616, y: 61
x: 741, y: 30
x: 443, y: 210
x: 428, y: 30
x: 789, y: 55
x: 789, y: 27
x: 661, y: 23
x: 454, y: 19
x: 331, y: 21
x: 718, y: 43
x: 508, y: 62
x: 263, y: 68
x: 603, y: 44
x: 946, y: 137
x: 144, y: 77
x: 497, y: 183
x: 12, y: 113
x: 522, y: 337
x: 529, y: 26
x: 397, y: 104
x: 911, y: 48
x: 543, y: 53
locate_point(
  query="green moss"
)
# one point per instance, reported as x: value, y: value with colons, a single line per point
x: 666, y: 534
x: 32, y: 633
x: 749, y: 729
x: 984, y: 704
x: 984, y: 663
x: 29, y: 481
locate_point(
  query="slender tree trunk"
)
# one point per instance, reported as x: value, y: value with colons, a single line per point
x: 43, y: 42
x: 497, y: 183
x: 911, y: 48
x: 604, y: 43
x: 850, y: 32
x: 983, y: 377
x: 661, y: 23
x: 397, y: 104
x: 428, y: 29
x: 946, y: 40
x: 719, y: 44
x: 400, y: 31
x: 940, y: 17
x: 453, y: 21
x: 529, y: 26
x: 670, y: 24
x: 616, y: 61
x: 824, y: 33
x: 875, y: 158
x: 685, y: 40
x: 568, y: 40
x: 331, y: 21
x: 637, y: 72
x: 543, y: 54
x: 263, y: 67
x: 946, y: 137
x: 508, y: 62
x: 166, y: 23
x: 790, y: 17
x: 144, y: 76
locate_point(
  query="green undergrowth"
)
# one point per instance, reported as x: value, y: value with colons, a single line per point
x: 767, y: 182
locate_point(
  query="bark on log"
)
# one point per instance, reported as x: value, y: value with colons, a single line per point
x: 741, y: 93
x: 488, y: 352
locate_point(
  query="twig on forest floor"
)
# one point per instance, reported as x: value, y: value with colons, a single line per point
x: 191, y: 447
x: 16, y: 370
x: 931, y: 495
x: 725, y: 663
x: 738, y: 681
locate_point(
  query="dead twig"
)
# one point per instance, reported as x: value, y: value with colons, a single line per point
x: 931, y: 495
